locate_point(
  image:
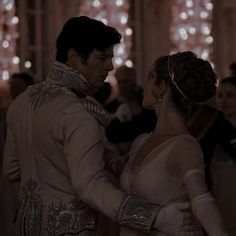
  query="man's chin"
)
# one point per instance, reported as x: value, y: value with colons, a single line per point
x: 97, y: 87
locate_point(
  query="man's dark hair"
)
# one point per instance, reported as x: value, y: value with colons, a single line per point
x: 233, y: 68
x: 231, y: 80
x: 84, y: 34
x: 27, y: 78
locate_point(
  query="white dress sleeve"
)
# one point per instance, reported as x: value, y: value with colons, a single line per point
x: 203, y: 204
x: 189, y: 165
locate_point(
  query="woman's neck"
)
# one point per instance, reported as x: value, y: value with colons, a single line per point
x: 171, y: 125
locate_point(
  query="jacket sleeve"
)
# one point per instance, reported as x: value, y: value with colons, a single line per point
x: 84, y: 150
x: 11, y: 165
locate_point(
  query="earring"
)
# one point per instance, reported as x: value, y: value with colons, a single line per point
x: 160, y: 100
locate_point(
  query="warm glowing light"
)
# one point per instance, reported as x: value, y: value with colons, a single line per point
x: 209, y: 6
x: 123, y: 19
x: 209, y: 39
x: 129, y: 63
x: 183, y: 15
x: 189, y: 3
x: 5, y: 44
x: 203, y: 14
x: 205, y: 54
x: 114, y: 13
x: 28, y: 64
x: 192, y: 30
x: 128, y: 31
x: 118, y: 61
x: 120, y: 49
x: 15, y: 20
x: 119, y: 3
x: 191, y: 27
x: 183, y: 34
x: 190, y: 12
x: 9, y: 6
x: 9, y: 62
x: 96, y: 3
x: 5, y: 75
x: 15, y: 60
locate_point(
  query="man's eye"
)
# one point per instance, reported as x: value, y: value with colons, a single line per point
x: 103, y: 58
x: 231, y: 94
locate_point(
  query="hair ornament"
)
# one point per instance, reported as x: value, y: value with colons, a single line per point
x: 172, y: 76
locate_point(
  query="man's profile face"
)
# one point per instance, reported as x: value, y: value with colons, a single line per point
x: 96, y: 67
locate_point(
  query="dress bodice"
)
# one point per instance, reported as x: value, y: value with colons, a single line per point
x: 153, y: 179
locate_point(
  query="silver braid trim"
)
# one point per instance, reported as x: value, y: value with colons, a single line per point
x: 137, y: 214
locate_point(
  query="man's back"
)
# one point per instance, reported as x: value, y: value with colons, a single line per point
x: 39, y: 123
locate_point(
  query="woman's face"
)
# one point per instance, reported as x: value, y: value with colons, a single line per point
x: 149, y: 98
x: 226, y: 98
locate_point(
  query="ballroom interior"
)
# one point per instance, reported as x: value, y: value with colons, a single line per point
x: 150, y: 28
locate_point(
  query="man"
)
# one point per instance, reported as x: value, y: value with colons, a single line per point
x: 19, y: 82
x: 55, y: 145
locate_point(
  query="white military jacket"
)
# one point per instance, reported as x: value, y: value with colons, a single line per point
x: 55, y: 149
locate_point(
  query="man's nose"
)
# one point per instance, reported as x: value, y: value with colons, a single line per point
x: 222, y: 101
x: 109, y: 65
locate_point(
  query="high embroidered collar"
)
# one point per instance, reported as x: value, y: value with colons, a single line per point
x: 70, y: 78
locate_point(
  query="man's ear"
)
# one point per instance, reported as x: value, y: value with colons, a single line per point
x: 73, y: 57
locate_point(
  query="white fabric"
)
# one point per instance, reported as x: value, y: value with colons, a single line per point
x: 159, y: 178
x: 54, y: 140
x: 170, y: 218
x: 203, y: 204
x: 195, y: 182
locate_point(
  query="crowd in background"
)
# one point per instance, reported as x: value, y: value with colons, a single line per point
x: 213, y: 124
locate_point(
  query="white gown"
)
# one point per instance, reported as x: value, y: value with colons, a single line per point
x: 152, y: 180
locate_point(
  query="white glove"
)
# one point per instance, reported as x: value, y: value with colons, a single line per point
x: 203, y: 204
x: 173, y: 218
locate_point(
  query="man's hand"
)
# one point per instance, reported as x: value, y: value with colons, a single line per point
x: 174, y: 218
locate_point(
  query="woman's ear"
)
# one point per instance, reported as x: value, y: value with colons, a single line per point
x: 158, y: 91
x: 162, y: 88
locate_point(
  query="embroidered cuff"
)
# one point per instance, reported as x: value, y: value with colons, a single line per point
x: 137, y: 214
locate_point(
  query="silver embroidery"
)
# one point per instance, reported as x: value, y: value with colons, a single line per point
x: 137, y: 214
x: 30, y: 211
x: 72, y: 218
x: 62, y: 80
x: 43, y: 93
x: 59, y: 218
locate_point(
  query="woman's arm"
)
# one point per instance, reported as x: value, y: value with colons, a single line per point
x: 203, y: 204
x: 188, y: 165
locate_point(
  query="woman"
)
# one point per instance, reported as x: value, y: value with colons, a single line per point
x: 219, y: 146
x: 166, y: 166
